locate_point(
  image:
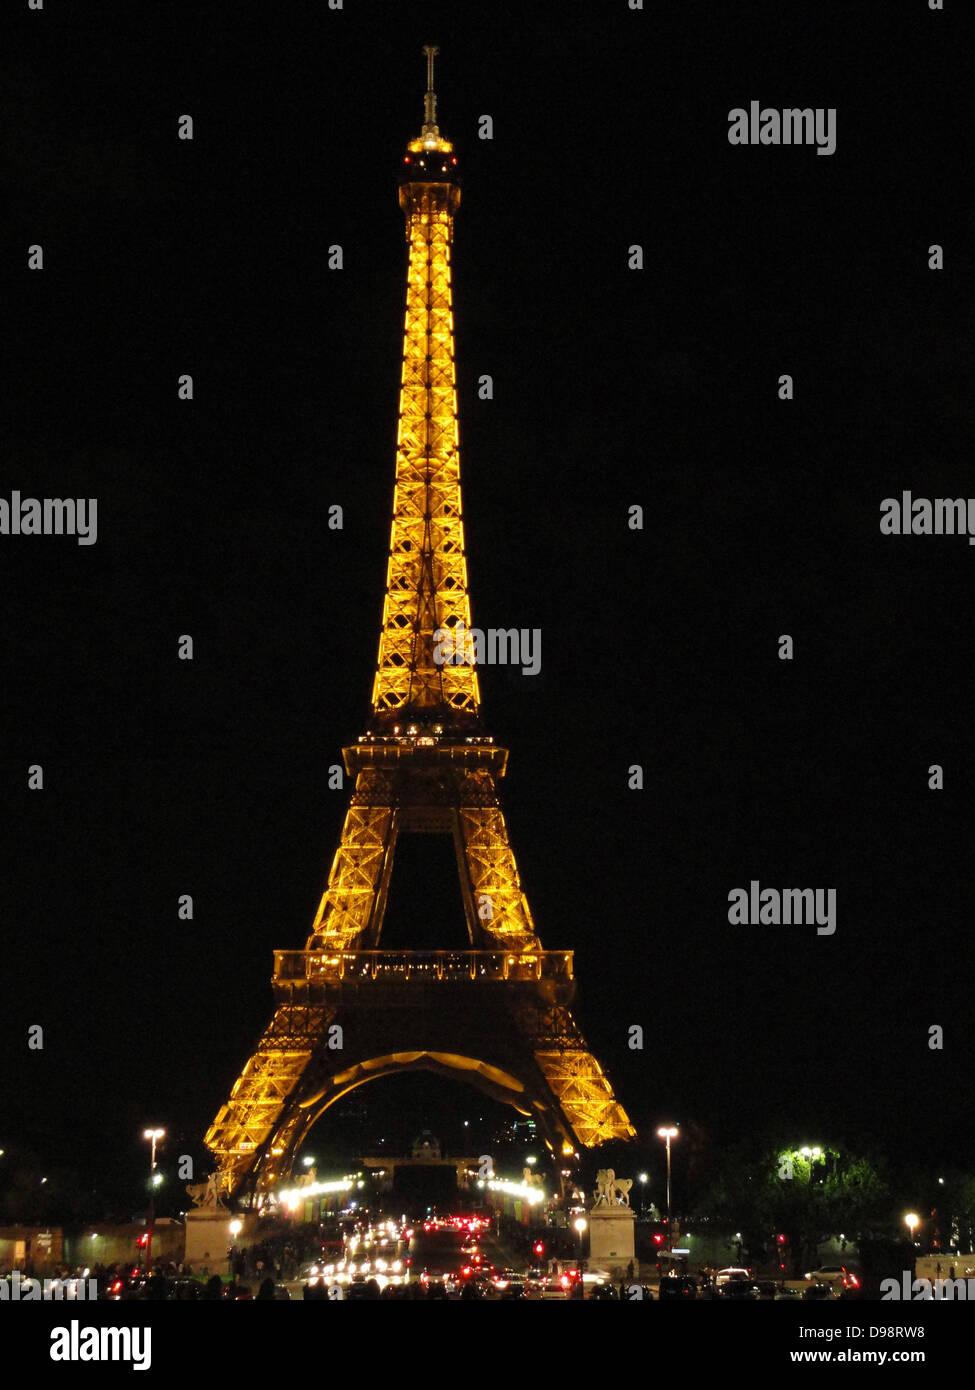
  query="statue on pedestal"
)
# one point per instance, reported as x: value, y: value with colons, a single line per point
x: 206, y: 1195
x: 611, y: 1191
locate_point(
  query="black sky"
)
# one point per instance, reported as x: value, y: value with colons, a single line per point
x: 612, y: 387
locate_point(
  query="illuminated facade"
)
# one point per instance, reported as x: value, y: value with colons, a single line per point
x: 495, y: 1015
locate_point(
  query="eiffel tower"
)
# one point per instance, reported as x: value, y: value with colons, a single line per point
x: 495, y: 1016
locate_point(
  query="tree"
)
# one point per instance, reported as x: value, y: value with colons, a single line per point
x: 807, y: 1195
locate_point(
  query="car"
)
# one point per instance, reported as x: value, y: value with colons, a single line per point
x: 553, y: 1289
x: 473, y: 1289
x: 677, y: 1286
x: 397, y: 1293
x: 366, y: 1290
x: 723, y: 1276
x: 184, y: 1289
x: 820, y: 1292
x: 140, y: 1286
x: 784, y: 1293
x: 603, y: 1291
x: 834, y: 1274
x: 739, y: 1290
x: 512, y: 1288
x: 540, y: 1284
x: 632, y: 1292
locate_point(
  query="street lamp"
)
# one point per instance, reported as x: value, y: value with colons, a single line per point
x: 912, y: 1221
x: 668, y: 1132
x: 580, y: 1224
x: 643, y: 1194
x: 152, y: 1135
x: 235, y: 1228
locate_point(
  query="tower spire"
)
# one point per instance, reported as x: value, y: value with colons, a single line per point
x: 430, y: 99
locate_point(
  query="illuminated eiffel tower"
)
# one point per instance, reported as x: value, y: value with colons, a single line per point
x: 495, y: 1016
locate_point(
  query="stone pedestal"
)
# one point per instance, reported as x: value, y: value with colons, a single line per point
x: 611, y: 1239
x: 208, y: 1237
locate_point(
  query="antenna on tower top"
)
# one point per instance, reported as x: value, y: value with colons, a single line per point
x: 430, y: 100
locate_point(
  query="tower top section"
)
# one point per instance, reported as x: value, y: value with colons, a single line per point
x: 426, y: 685
x: 430, y: 138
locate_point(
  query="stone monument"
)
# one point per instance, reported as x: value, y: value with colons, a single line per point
x: 208, y: 1233
x: 611, y: 1222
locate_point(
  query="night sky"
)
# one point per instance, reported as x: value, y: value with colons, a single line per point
x: 613, y: 387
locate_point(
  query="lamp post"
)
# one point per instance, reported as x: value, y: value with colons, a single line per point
x: 152, y: 1135
x: 912, y: 1221
x: 643, y: 1194
x: 580, y: 1224
x: 668, y: 1132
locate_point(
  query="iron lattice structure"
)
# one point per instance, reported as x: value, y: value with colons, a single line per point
x: 496, y: 1015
